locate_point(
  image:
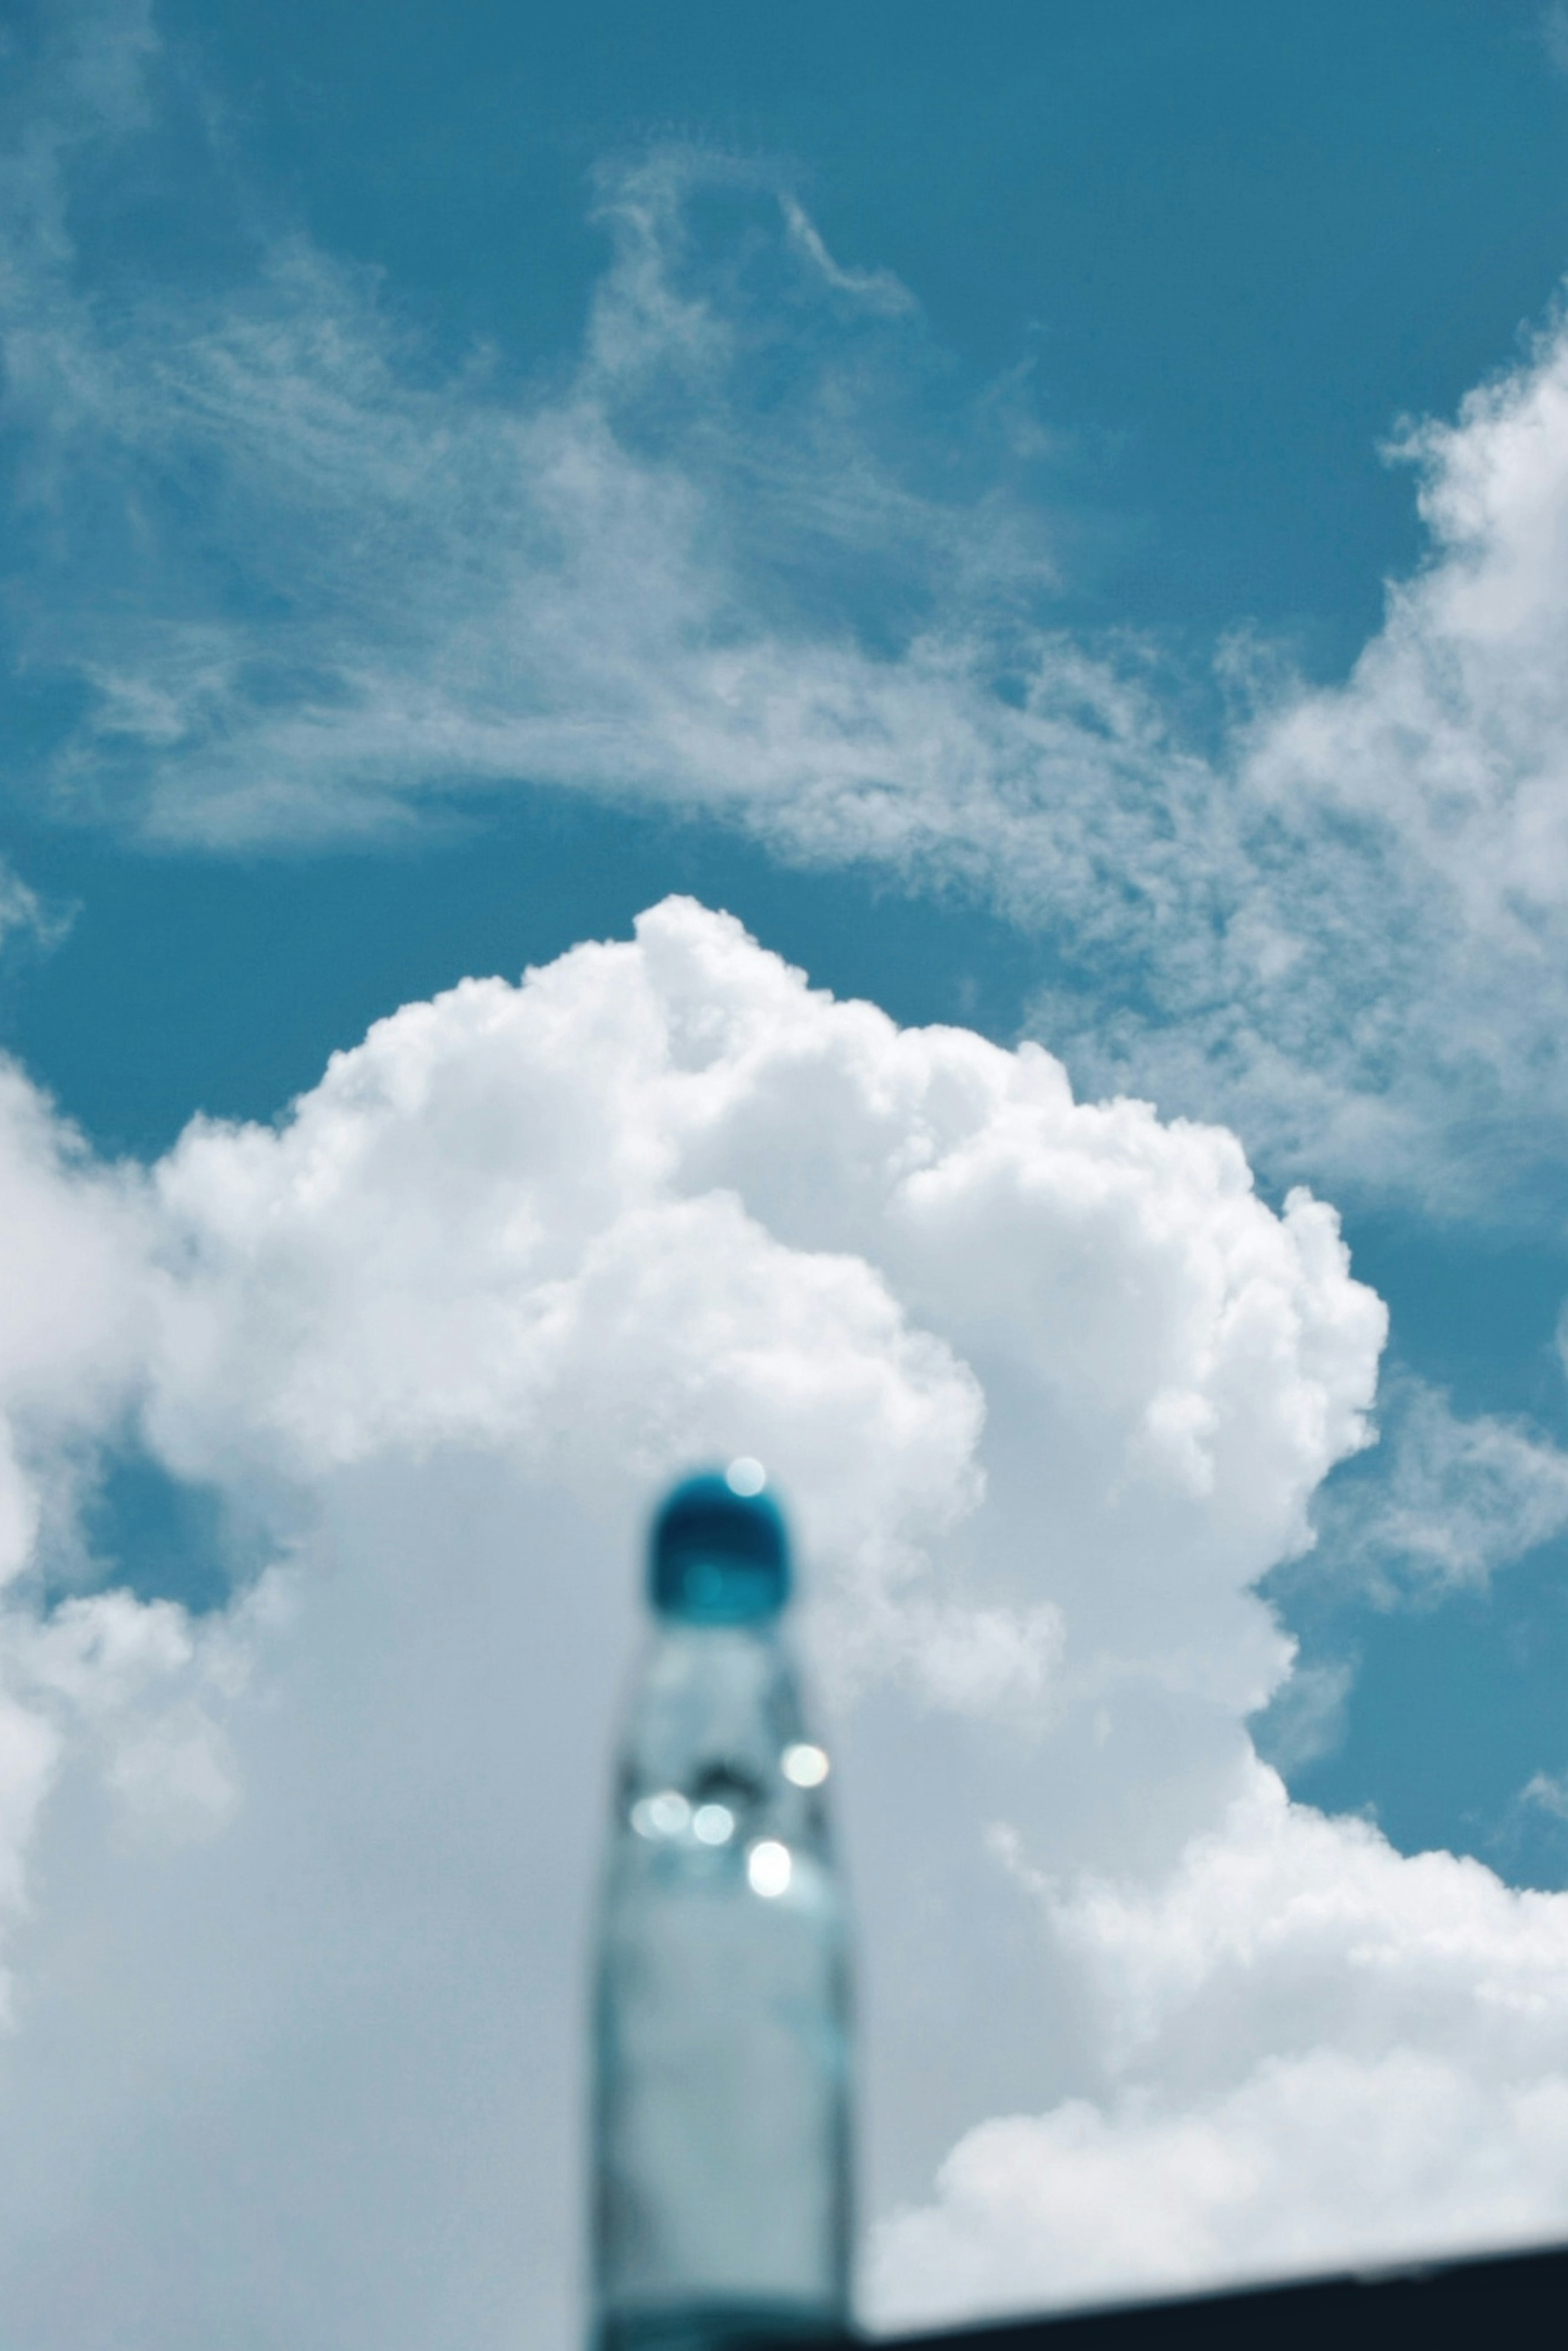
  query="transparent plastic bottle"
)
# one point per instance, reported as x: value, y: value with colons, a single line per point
x: 721, y: 2091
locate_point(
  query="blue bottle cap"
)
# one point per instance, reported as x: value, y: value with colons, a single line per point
x: 718, y: 1556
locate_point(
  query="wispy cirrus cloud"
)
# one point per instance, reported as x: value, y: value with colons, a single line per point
x: 1450, y: 1501
x: 302, y: 578
x: 396, y: 582
x: 1553, y: 30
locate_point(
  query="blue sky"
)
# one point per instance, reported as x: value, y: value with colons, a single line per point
x: 1051, y: 517
x: 1217, y: 263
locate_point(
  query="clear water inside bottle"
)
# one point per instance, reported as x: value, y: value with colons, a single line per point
x: 721, y: 2149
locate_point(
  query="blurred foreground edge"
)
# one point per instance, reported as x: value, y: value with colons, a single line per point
x: 1492, y: 2295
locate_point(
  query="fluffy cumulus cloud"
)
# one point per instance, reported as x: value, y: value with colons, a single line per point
x: 98, y: 1669
x: 1320, y: 2052
x: 295, y: 1890
x: 663, y: 1194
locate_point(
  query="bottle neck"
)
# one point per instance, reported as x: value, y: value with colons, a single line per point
x: 712, y: 1690
x: 763, y: 1630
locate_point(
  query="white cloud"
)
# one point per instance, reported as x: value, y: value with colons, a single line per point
x: 1049, y: 1388
x: 1548, y: 1795
x: 1320, y: 2052
x: 657, y: 574
x: 79, y: 1318
x: 555, y: 1218
x: 1319, y: 2161
x: 1456, y: 1500
x: 627, y: 585
x: 1554, y: 27
x: 1306, y: 1718
x: 1381, y: 992
x: 296, y: 1893
x: 1046, y: 1384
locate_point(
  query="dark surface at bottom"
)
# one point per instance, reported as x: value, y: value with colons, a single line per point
x: 1496, y: 2297
x: 1499, y: 2298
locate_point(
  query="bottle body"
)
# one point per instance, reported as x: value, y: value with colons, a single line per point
x: 721, y: 2096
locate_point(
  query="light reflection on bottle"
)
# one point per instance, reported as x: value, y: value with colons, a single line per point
x: 768, y: 1868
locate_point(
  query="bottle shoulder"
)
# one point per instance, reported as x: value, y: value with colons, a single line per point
x: 716, y: 1761
x: 724, y: 1686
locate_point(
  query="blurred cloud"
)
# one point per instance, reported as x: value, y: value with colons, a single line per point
x: 1547, y: 1795
x: 1555, y: 35
x: 1327, y: 2054
x: 1306, y: 1718
x: 1047, y: 1387
x: 1449, y: 1501
x: 294, y: 1889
